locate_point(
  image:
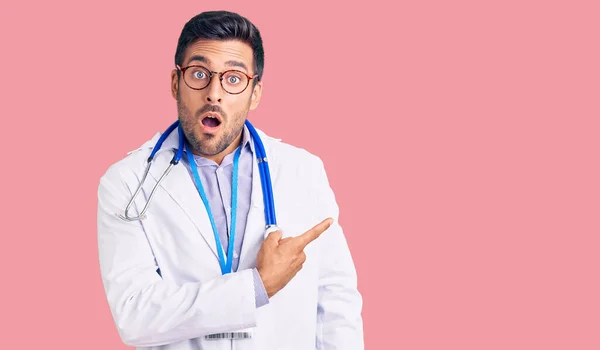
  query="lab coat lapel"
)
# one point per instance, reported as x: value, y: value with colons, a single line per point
x: 180, y: 187
x: 255, y: 223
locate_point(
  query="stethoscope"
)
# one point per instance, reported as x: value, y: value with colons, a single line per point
x: 265, y: 180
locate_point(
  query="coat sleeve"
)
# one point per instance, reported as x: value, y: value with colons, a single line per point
x: 339, y: 320
x: 150, y: 311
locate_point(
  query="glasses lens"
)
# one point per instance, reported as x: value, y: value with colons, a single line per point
x: 197, y: 77
x: 234, y: 82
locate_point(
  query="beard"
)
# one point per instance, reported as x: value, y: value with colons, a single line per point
x: 209, y: 144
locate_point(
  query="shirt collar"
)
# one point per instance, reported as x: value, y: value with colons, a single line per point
x: 246, y: 138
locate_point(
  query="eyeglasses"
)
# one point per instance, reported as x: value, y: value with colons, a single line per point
x: 199, y: 77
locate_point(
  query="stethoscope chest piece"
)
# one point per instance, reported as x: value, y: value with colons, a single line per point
x: 272, y: 228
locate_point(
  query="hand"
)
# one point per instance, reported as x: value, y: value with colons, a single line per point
x: 279, y: 260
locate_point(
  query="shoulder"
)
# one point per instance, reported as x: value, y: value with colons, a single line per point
x: 286, y: 155
x: 131, y: 164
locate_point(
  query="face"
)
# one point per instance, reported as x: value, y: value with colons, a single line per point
x: 213, y: 119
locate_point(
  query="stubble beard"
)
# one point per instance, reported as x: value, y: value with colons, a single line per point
x: 211, y: 145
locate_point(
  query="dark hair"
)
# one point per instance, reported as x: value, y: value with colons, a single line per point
x: 222, y: 25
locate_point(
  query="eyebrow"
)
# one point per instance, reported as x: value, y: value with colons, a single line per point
x: 230, y: 63
x: 198, y: 58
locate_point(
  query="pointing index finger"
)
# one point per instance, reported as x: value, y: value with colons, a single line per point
x: 314, y: 233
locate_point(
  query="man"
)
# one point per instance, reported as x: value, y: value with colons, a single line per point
x: 199, y: 270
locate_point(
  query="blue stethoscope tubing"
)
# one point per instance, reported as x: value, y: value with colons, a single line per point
x: 263, y: 167
x: 265, y: 177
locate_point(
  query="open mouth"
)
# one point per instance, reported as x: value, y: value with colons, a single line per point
x: 211, y: 121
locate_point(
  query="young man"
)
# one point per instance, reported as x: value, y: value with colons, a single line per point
x: 200, y: 269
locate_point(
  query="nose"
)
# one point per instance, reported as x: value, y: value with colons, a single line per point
x: 214, y: 92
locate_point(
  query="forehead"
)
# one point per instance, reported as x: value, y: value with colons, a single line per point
x: 218, y: 53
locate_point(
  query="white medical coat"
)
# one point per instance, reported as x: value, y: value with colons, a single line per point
x: 320, y: 308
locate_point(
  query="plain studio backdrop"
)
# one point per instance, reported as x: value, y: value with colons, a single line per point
x: 460, y: 137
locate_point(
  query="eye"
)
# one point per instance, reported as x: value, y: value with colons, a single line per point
x: 198, y: 74
x: 233, y: 79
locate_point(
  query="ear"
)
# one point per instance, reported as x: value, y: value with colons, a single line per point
x: 256, y: 94
x: 174, y: 83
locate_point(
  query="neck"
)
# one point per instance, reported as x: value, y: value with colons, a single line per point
x: 218, y: 158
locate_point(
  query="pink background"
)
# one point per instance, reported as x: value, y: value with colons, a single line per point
x: 461, y: 138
